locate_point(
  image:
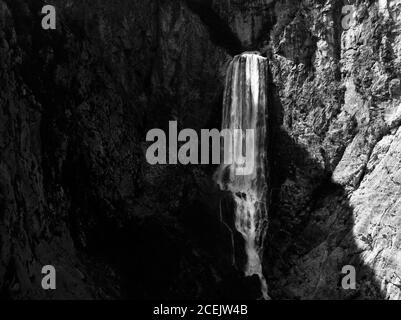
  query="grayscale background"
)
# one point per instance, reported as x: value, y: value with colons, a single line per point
x: 77, y: 193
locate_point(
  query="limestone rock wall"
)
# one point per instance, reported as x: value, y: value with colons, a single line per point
x: 75, y: 106
x: 337, y: 100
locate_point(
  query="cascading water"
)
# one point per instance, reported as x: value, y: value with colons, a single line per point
x: 245, y: 107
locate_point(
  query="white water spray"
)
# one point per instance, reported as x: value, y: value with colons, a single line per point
x: 244, y: 107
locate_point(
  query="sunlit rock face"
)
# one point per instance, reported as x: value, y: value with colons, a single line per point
x: 336, y: 151
x: 245, y: 107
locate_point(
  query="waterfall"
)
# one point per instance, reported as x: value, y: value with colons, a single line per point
x: 245, y: 107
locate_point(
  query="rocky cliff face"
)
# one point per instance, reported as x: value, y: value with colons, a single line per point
x: 336, y: 201
x: 75, y: 106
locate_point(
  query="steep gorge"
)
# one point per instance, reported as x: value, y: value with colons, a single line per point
x: 75, y: 189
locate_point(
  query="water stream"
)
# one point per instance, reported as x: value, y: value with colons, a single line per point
x: 245, y: 107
